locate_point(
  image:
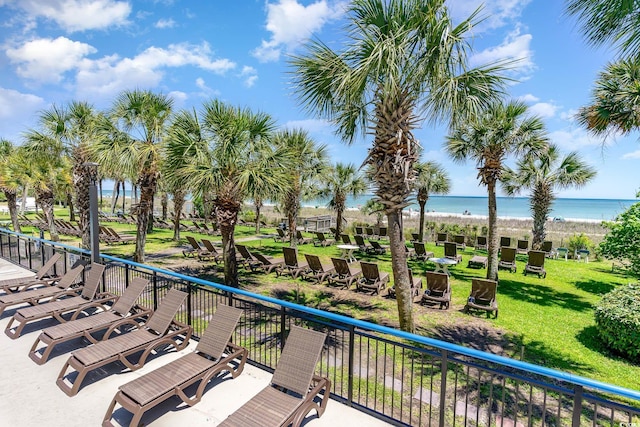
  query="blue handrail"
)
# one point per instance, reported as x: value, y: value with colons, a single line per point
x: 501, y: 360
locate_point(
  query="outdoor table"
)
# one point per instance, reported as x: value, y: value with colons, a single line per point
x: 442, y: 264
x: 347, y: 252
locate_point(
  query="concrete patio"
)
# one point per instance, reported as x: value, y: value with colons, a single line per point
x: 29, y: 396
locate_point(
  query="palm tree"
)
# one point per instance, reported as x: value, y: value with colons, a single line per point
x: 306, y: 161
x: 374, y: 207
x: 500, y: 131
x: 11, y: 178
x: 230, y: 156
x: 404, y: 60
x: 69, y: 131
x: 544, y: 175
x: 340, y: 181
x: 431, y: 179
x: 609, y: 22
x: 140, y: 118
x: 615, y: 100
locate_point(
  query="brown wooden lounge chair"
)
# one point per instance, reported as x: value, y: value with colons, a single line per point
x: 301, y: 239
x: 36, y: 296
x: 441, y: 238
x: 121, y: 238
x: 416, y: 285
x: 41, y: 278
x: 214, y: 354
x: 438, y: 289
x: 547, y: 248
x: 160, y: 331
x: 362, y: 245
x: 123, y: 311
x: 507, y: 259
x: 421, y: 252
x: 483, y: 296
x: 377, y: 248
x: 505, y: 242
x: 248, y: 259
x: 345, y: 273
x: 269, y: 264
x: 535, y: 264
x: 372, y: 279
x: 460, y: 241
x: 63, y: 303
x: 281, y: 236
x: 451, y: 251
x: 295, y: 389
x: 317, y: 270
x: 291, y: 264
x: 209, y: 253
x: 346, y: 239
x: 195, y: 248
x: 522, y: 246
x: 481, y: 243
x: 322, y: 240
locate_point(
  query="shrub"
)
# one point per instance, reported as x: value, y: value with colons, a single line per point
x: 618, y: 318
x: 622, y: 243
x: 579, y: 241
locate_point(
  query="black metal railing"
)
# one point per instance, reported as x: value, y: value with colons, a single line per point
x: 403, y: 378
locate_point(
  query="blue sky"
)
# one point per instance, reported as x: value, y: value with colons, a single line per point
x: 90, y: 50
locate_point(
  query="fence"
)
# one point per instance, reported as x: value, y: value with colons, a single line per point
x: 403, y: 378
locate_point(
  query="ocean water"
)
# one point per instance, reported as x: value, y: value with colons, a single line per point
x: 515, y: 207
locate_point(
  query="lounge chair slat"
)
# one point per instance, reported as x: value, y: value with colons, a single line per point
x: 298, y: 360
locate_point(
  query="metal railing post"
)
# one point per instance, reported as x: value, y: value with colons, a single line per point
x: 577, y: 406
x: 283, y: 325
x: 154, y: 281
x: 352, y: 340
x: 189, y: 303
x: 443, y: 386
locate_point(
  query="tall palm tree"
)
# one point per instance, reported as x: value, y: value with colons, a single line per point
x: 431, y: 179
x: 68, y: 131
x: 609, y: 22
x: 306, y: 161
x: 544, y: 175
x: 12, y: 177
x: 340, y: 181
x: 404, y: 61
x: 503, y: 129
x: 230, y: 155
x: 615, y: 100
x: 140, y: 118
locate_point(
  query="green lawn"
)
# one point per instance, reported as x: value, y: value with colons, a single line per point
x: 546, y: 321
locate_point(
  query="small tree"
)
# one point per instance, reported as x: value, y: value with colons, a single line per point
x: 622, y: 243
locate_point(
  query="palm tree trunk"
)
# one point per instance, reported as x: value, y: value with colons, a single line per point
x: 13, y: 209
x: 72, y: 211
x: 291, y: 207
x: 400, y: 271
x: 492, y: 238
x: 115, y: 196
x: 147, y: 183
x: 178, y: 204
x: 226, y: 212
x: 258, y: 205
x: 46, y: 199
x: 82, y: 177
x: 422, y: 204
x: 164, y: 201
x: 25, y: 193
x: 339, y: 208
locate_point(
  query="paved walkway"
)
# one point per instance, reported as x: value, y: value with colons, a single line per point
x: 29, y: 396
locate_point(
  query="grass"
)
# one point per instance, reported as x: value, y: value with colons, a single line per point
x: 544, y: 321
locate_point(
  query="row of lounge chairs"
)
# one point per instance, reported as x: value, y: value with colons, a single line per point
x: 294, y: 391
x: 371, y: 233
x: 535, y: 261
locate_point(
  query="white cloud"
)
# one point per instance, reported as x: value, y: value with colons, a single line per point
x: 497, y: 12
x: 206, y: 91
x: 571, y: 139
x: 310, y: 125
x: 633, y: 155
x: 528, y: 98
x: 46, y: 60
x: 165, y: 23
x: 250, y: 75
x: 515, y: 47
x: 290, y: 23
x: 17, y: 112
x: 79, y: 15
x: 543, y: 109
x: 112, y: 74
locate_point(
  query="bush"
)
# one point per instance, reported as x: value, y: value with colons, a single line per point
x: 618, y: 319
x: 579, y: 241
